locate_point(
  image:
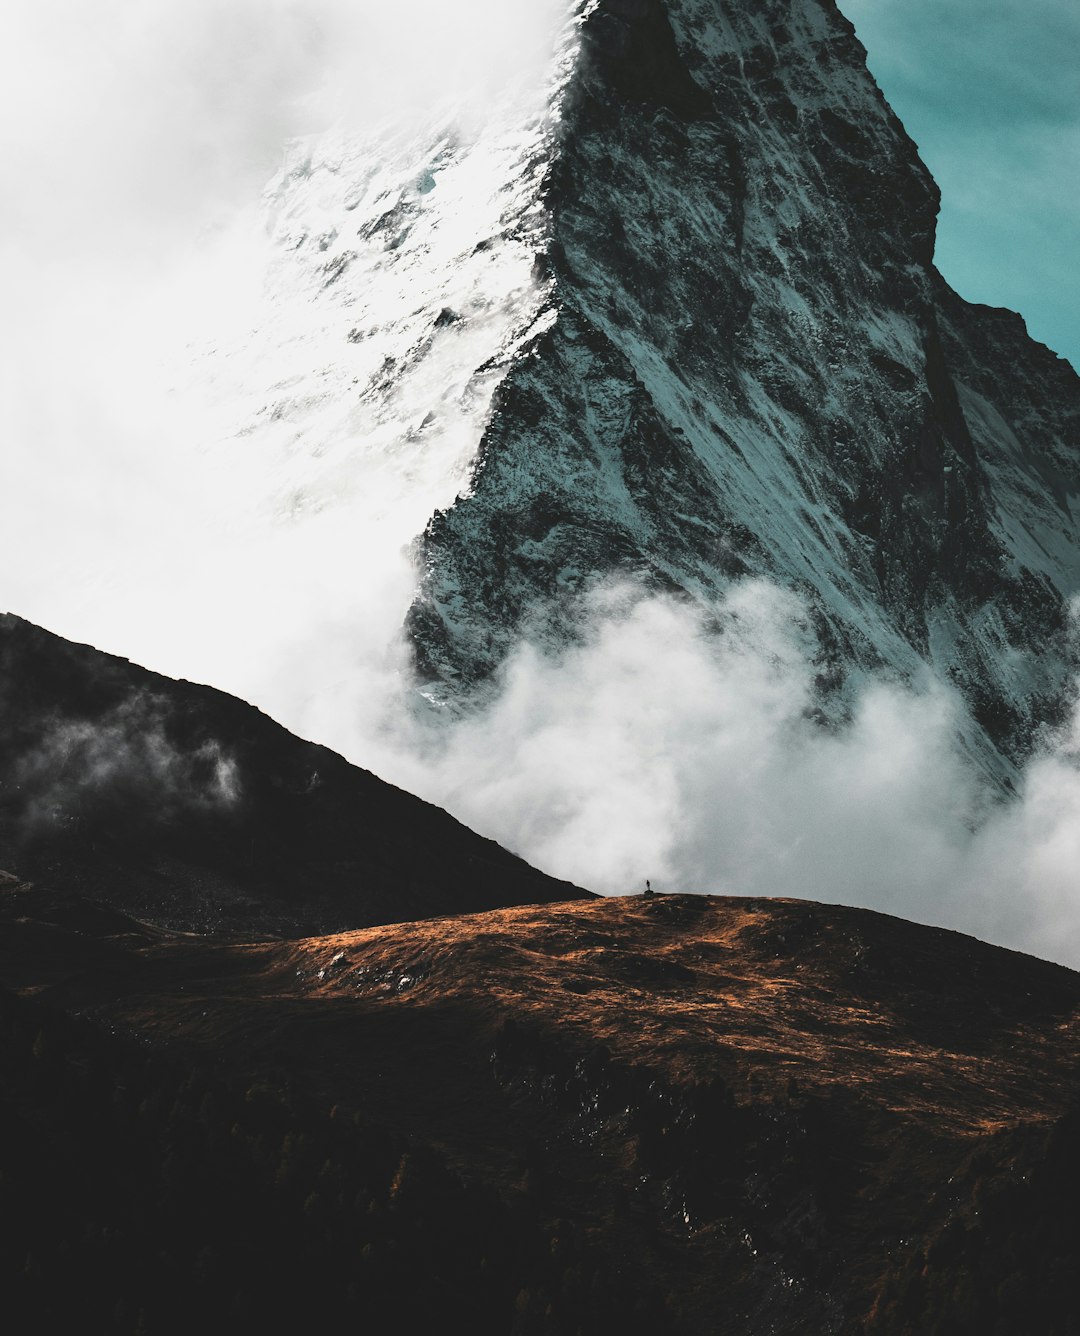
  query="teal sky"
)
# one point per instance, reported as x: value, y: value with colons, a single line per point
x: 990, y: 91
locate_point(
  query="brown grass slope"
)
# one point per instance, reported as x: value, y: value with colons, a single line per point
x: 693, y: 1114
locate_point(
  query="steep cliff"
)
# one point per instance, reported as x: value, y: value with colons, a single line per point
x: 746, y: 363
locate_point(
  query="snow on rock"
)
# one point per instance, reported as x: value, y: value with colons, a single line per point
x: 396, y: 284
x: 748, y: 365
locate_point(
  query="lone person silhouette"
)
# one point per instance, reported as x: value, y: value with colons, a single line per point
x: 648, y: 888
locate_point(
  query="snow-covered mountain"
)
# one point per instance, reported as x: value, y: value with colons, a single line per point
x: 671, y: 318
x: 751, y: 366
x: 396, y: 285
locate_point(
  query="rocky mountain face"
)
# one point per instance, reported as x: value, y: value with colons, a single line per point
x: 746, y: 364
x: 192, y: 810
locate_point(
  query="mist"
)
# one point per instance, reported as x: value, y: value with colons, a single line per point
x: 131, y: 123
x: 120, y: 762
x: 141, y: 346
x: 684, y: 745
x: 152, y: 507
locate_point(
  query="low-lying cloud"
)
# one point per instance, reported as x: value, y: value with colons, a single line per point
x: 139, y: 141
x: 121, y: 765
x: 664, y: 748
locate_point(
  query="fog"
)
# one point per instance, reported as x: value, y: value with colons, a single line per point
x: 127, y: 124
x: 660, y: 749
x: 139, y: 140
x: 123, y: 761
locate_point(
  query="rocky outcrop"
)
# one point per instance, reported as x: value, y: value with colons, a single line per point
x: 749, y: 365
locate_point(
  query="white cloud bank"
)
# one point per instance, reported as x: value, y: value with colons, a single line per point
x: 125, y: 123
x: 660, y: 749
x: 138, y: 138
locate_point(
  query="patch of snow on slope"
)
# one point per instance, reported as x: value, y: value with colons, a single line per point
x: 399, y: 285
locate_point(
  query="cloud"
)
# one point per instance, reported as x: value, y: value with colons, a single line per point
x: 1020, y: 874
x: 142, y: 138
x: 664, y: 748
x: 123, y: 765
x: 128, y: 124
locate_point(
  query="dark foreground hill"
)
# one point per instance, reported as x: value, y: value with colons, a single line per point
x: 191, y: 809
x: 678, y: 1115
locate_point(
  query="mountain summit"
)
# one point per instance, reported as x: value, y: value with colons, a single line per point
x: 745, y: 363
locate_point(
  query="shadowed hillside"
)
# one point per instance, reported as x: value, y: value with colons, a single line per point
x: 684, y: 1114
x: 189, y: 808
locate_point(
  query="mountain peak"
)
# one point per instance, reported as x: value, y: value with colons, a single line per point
x: 754, y: 369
